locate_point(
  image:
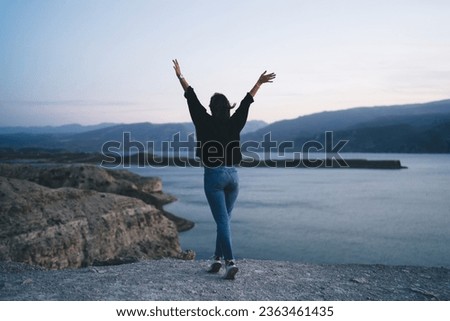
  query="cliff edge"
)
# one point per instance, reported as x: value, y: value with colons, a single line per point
x: 95, y: 178
x: 81, y: 215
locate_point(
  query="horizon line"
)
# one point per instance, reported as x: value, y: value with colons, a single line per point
x: 188, y: 121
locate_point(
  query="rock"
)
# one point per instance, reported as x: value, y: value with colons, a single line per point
x: 360, y: 280
x: 181, y: 223
x: 187, y: 255
x: 91, y: 177
x: 70, y: 227
x: 425, y: 293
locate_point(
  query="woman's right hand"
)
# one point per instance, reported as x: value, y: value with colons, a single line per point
x: 266, y: 77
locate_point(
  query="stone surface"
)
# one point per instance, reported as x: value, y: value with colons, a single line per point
x: 91, y: 177
x: 71, y: 227
x: 169, y: 279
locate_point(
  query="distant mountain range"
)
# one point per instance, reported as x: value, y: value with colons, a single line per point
x: 91, y: 138
x: 64, y: 129
x: 413, y: 128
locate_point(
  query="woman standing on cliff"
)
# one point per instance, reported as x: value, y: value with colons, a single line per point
x: 218, y: 137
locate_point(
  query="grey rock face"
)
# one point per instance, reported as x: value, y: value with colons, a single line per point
x: 73, y: 227
x: 91, y: 177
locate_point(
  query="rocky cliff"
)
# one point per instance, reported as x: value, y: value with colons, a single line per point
x: 73, y: 216
x: 95, y: 178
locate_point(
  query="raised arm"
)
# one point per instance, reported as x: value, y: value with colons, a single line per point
x: 180, y: 76
x: 262, y: 80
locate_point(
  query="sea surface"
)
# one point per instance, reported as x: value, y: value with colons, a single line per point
x: 328, y: 216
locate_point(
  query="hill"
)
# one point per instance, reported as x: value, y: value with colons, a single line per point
x: 91, y: 139
x: 64, y: 129
x: 418, y: 128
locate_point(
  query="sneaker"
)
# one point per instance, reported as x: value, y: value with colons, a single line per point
x: 215, y: 265
x: 231, y: 270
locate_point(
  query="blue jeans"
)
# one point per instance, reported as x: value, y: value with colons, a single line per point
x: 221, y: 189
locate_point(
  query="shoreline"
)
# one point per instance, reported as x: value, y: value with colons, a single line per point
x: 257, y: 280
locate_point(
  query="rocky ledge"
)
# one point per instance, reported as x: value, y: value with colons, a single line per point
x: 169, y: 279
x: 80, y: 215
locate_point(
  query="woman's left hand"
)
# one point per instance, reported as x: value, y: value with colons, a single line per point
x: 177, y: 68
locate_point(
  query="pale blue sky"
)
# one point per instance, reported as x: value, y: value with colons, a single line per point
x: 91, y: 61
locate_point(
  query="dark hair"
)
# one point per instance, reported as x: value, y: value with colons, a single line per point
x: 220, y: 106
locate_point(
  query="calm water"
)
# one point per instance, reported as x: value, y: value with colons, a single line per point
x: 399, y: 217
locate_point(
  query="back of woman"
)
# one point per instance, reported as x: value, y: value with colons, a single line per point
x: 218, y: 147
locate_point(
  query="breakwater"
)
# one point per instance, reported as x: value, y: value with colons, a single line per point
x: 148, y: 159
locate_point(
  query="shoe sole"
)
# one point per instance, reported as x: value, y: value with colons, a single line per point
x: 231, y: 273
x: 215, y: 267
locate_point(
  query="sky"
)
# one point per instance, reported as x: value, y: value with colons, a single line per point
x: 94, y: 61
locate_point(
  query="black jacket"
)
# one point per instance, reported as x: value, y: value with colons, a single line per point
x: 218, y: 142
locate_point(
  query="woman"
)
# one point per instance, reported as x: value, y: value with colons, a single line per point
x: 218, y: 139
